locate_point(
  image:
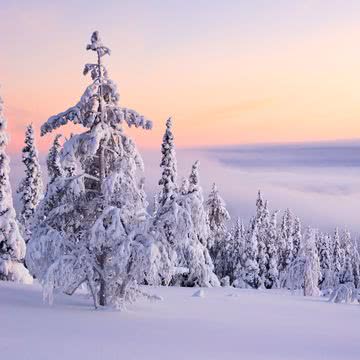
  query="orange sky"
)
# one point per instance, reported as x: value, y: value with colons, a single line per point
x: 287, y: 78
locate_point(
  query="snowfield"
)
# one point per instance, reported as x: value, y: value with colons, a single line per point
x: 225, y: 323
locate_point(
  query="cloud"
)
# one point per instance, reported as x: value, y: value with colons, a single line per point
x: 320, y: 182
x: 322, y: 196
x: 319, y: 155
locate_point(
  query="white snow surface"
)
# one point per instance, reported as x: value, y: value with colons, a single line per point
x: 199, y: 293
x: 251, y: 324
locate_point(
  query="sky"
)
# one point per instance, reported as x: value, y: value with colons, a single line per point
x: 228, y: 72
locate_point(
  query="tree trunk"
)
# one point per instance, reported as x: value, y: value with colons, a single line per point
x: 103, y: 256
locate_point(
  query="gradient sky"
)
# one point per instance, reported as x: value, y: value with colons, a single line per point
x: 229, y: 72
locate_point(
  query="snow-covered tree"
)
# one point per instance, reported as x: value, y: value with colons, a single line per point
x: 218, y: 242
x: 327, y: 279
x: 12, y: 244
x: 272, y: 276
x: 53, y: 160
x: 199, y: 262
x: 296, y: 237
x: 168, y: 165
x: 168, y: 227
x: 312, y: 265
x: 356, y: 264
x: 96, y: 229
x: 337, y: 257
x: 286, y: 241
x: 346, y: 274
x: 250, y: 272
x: 262, y: 219
x: 304, y: 271
x: 31, y: 186
x: 235, y: 250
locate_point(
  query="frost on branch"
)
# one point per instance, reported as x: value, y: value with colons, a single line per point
x: 99, y: 101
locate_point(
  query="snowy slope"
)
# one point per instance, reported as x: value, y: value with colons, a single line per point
x: 225, y: 323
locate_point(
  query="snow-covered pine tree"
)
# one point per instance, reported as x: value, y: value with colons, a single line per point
x: 337, y: 257
x: 326, y: 280
x: 200, y: 264
x: 304, y: 271
x: 168, y: 165
x: 286, y: 242
x: 262, y: 219
x: 311, y: 265
x: 356, y: 264
x: 272, y: 276
x: 167, y: 225
x: 250, y: 271
x: 95, y: 232
x: 347, y: 272
x: 12, y: 244
x: 31, y: 186
x: 53, y: 160
x: 218, y: 242
x: 236, y: 249
x: 296, y: 237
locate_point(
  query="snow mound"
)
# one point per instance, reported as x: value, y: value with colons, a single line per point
x: 199, y: 293
x: 233, y: 295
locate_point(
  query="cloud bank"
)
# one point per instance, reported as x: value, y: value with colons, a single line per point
x: 319, y: 182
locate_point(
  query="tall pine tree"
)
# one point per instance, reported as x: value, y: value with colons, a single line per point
x: 347, y: 271
x: 31, y: 186
x: 168, y: 165
x: 337, y: 257
x: 250, y: 271
x: 12, y: 244
x: 53, y: 160
x: 167, y: 224
x: 96, y: 231
x: 327, y: 278
x: 201, y: 268
x: 218, y: 242
x: 272, y: 276
x: 311, y: 266
x: 262, y: 219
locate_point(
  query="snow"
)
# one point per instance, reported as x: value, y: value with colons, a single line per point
x: 199, y: 293
x: 250, y: 324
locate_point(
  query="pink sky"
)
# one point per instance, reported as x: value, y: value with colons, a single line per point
x: 229, y: 74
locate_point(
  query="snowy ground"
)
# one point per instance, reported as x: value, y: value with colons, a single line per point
x: 224, y: 324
